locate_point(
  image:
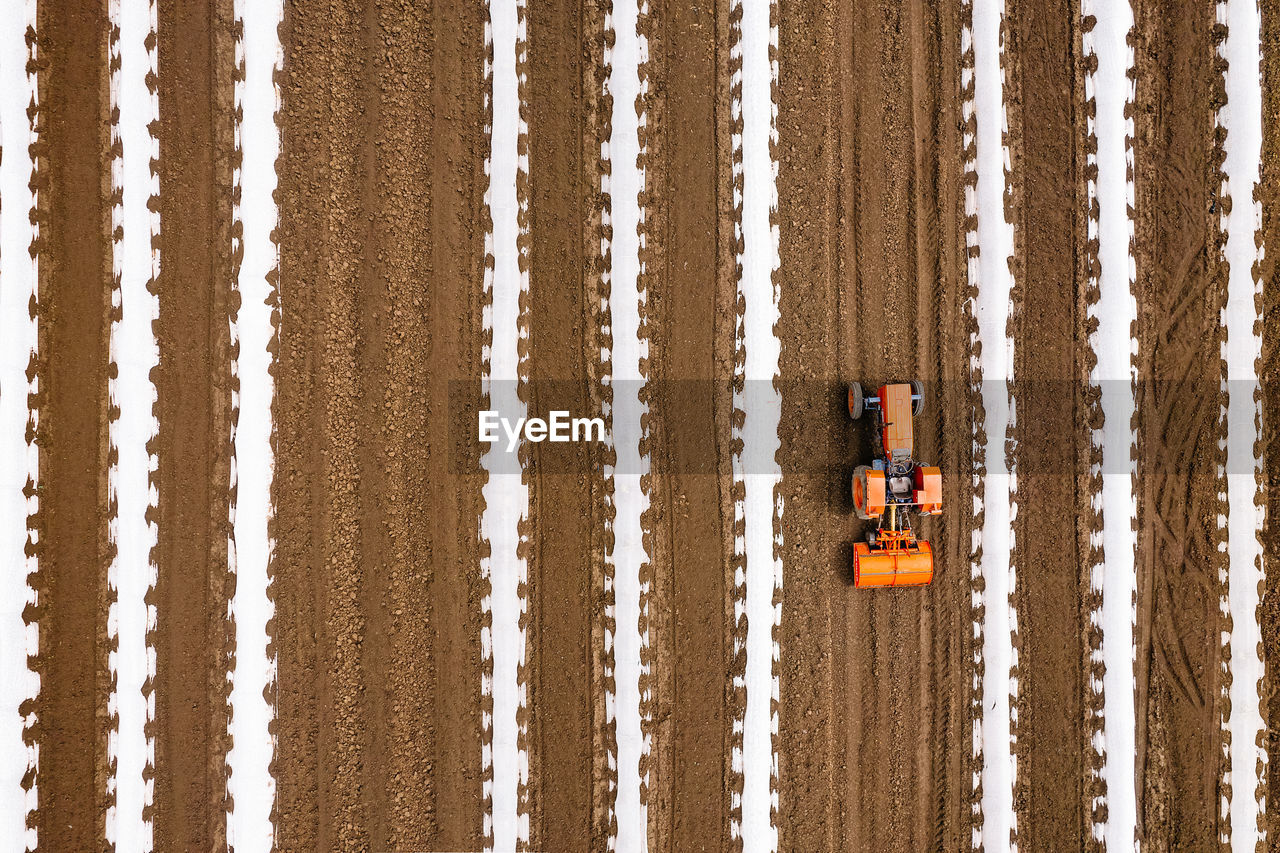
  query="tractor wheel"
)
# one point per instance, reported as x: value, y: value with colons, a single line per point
x: 855, y: 400
x: 859, y: 491
x: 917, y: 391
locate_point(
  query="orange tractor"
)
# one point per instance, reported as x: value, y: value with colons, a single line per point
x: 892, y: 490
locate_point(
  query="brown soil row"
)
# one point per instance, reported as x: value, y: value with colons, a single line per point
x: 193, y: 384
x: 1269, y: 372
x: 1044, y: 97
x: 570, y: 788
x: 689, y: 271
x: 875, y: 739
x: 1181, y: 285
x: 74, y: 186
x: 376, y: 576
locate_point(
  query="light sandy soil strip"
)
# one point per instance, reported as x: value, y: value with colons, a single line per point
x: 134, y: 352
x: 251, y: 785
x: 1241, y: 117
x: 506, y: 494
x: 1111, y: 194
x: 760, y: 401
x: 625, y: 184
x: 995, y: 363
x: 19, y: 454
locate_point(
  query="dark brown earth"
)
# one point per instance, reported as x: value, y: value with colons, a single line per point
x: 689, y: 264
x: 376, y: 574
x: 74, y: 183
x: 1181, y: 285
x: 1269, y: 372
x: 193, y: 639
x: 1044, y: 94
x: 874, y: 743
x: 568, y: 736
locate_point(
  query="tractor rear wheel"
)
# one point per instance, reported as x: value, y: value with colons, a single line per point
x: 855, y: 400
x: 861, y: 493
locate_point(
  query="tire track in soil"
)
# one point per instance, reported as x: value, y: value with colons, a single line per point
x: 378, y: 625
x: 689, y: 267
x: 1044, y: 96
x: 74, y: 186
x: 1269, y: 373
x: 570, y: 788
x: 1181, y: 286
x: 875, y: 731
x: 193, y: 639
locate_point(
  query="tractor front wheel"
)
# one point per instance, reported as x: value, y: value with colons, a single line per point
x: 855, y: 400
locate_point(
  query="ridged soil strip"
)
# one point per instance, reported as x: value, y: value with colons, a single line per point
x: 453, y: 308
x: 1269, y: 374
x: 377, y: 626
x: 812, y: 753
x: 568, y: 735
x: 1181, y: 286
x: 1048, y: 204
x: 690, y: 304
x: 193, y: 643
x: 74, y: 254
x: 875, y: 728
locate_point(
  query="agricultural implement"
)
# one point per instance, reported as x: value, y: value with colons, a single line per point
x: 893, y: 490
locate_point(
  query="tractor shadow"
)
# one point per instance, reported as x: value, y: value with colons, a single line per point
x: 851, y: 446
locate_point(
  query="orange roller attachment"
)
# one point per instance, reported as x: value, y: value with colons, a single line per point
x: 928, y: 491
x: 909, y: 565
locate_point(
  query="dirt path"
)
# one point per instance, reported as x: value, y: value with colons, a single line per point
x: 1181, y: 286
x: 193, y: 384
x: 378, y: 618
x: 874, y: 743
x: 689, y: 258
x: 1044, y: 93
x: 569, y: 788
x: 75, y: 288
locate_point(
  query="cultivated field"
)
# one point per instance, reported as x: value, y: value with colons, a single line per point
x: 264, y: 262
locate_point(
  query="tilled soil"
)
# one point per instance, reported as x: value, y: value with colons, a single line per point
x: 568, y: 733
x: 689, y: 260
x: 193, y: 384
x: 1269, y: 372
x: 376, y: 575
x: 1045, y: 104
x: 875, y: 734
x: 74, y: 185
x: 1181, y: 286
